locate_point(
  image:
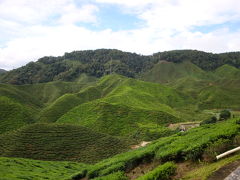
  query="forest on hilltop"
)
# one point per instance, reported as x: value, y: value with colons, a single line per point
x: 101, y: 62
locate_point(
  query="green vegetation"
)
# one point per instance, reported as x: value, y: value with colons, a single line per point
x: 225, y: 114
x: 100, y: 62
x: 116, y: 176
x: 211, y: 120
x: 122, y: 105
x: 20, y: 168
x: 60, y: 142
x: 115, y: 119
x: 86, y: 107
x: 165, y: 149
x: 206, y: 169
x: 189, y: 145
x: 161, y: 172
x: 47, y: 93
x: 228, y: 72
x: 22, y: 104
x: 206, y: 61
x: 164, y: 72
x: 13, y: 115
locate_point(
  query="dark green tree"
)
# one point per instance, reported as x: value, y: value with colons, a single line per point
x: 211, y: 120
x: 225, y: 114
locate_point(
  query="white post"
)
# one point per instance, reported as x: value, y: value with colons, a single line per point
x: 228, y: 152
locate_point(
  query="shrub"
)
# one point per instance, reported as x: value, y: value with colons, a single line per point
x: 162, y: 172
x: 212, y: 120
x: 216, y: 148
x: 238, y: 121
x: 225, y: 114
x: 236, y: 140
x: 113, y: 168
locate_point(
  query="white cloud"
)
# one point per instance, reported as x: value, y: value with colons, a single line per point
x: 181, y: 14
x: 71, y: 14
x: 30, y: 11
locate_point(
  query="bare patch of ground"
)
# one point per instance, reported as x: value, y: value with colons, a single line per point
x: 183, y: 168
x: 141, y: 170
x: 142, y: 144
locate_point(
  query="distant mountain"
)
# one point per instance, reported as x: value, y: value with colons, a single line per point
x: 97, y: 63
x: 2, y: 71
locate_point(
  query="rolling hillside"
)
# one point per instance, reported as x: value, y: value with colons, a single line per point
x: 60, y: 142
x: 93, y: 106
x: 164, y: 72
x: 188, y: 146
x: 22, y: 104
x: 123, y: 105
x: 228, y: 72
x: 22, y: 168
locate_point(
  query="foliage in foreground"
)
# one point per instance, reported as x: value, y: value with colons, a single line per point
x: 189, y: 145
x: 162, y: 172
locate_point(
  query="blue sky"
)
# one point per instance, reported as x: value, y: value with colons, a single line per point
x: 30, y: 29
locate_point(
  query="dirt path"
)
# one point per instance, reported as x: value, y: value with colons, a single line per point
x: 224, y: 171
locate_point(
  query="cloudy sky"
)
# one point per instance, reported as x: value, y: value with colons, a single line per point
x: 30, y: 29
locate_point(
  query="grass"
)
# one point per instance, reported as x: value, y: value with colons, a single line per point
x: 27, y: 169
x: 60, y: 142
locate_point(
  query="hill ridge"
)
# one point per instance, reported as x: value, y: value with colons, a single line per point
x: 101, y: 62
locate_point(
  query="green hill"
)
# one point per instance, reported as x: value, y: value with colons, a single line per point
x: 100, y: 62
x: 164, y: 72
x: 116, y: 119
x: 219, y: 96
x: 49, y: 92
x: 17, y: 108
x: 24, y: 104
x: 122, y: 106
x: 228, y: 72
x: 60, y: 142
x: 14, y: 115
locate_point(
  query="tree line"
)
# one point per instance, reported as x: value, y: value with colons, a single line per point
x: 101, y: 62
